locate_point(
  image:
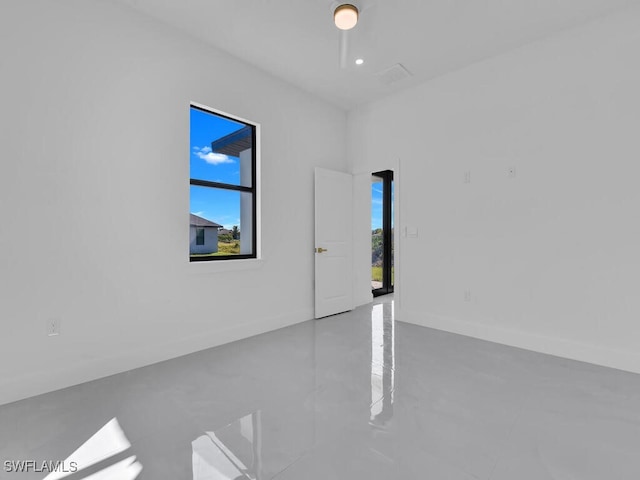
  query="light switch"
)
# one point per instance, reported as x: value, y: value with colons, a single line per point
x: 411, y: 232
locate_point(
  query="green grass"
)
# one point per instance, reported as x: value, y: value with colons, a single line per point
x: 224, y: 248
x: 231, y: 248
x: 376, y: 274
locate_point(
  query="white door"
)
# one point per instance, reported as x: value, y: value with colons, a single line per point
x: 334, y: 239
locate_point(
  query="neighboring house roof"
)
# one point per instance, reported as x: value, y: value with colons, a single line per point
x: 234, y: 143
x: 197, y: 221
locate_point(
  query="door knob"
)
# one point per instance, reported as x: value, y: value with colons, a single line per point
x: 320, y: 250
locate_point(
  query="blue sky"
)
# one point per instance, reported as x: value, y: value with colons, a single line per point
x: 376, y: 204
x: 220, y: 206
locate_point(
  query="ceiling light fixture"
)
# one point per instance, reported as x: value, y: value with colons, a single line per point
x: 359, y: 61
x: 345, y: 16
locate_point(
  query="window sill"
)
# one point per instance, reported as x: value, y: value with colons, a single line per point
x: 213, y: 267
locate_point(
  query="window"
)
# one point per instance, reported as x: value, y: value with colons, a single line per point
x: 382, y: 270
x: 222, y: 187
x: 200, y: 236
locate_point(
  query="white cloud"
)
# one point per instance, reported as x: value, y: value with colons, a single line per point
x: 205, y: 153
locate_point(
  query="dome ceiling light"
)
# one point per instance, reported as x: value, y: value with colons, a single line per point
x: 345, y: 16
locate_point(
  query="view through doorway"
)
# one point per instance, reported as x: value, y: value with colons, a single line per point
x: 382, y: 265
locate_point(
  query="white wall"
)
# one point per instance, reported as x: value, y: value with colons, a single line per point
x: 551, y: 257
x: 94, y: 143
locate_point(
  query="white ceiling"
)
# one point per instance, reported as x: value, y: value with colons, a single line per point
x: 297, y: 41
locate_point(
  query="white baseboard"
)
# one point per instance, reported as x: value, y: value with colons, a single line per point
x: 560, y: 347
x: 63, y: 376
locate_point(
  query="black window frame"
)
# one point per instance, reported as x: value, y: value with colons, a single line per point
x: 238, y: 188
x: 387, y: 234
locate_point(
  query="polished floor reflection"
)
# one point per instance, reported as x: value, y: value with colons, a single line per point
x: 354, y: 396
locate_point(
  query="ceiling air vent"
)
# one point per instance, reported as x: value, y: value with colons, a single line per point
x: 393, y: 74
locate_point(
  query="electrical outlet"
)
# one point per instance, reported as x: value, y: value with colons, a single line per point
x: 467, y: 295
x: 467, y: 176
x: 511, y: 172
x: 53, y: 327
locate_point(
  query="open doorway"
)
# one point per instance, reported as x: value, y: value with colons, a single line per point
x: 382, y: 270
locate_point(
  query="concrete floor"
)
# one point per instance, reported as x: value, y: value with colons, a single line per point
x: 354, y: 396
